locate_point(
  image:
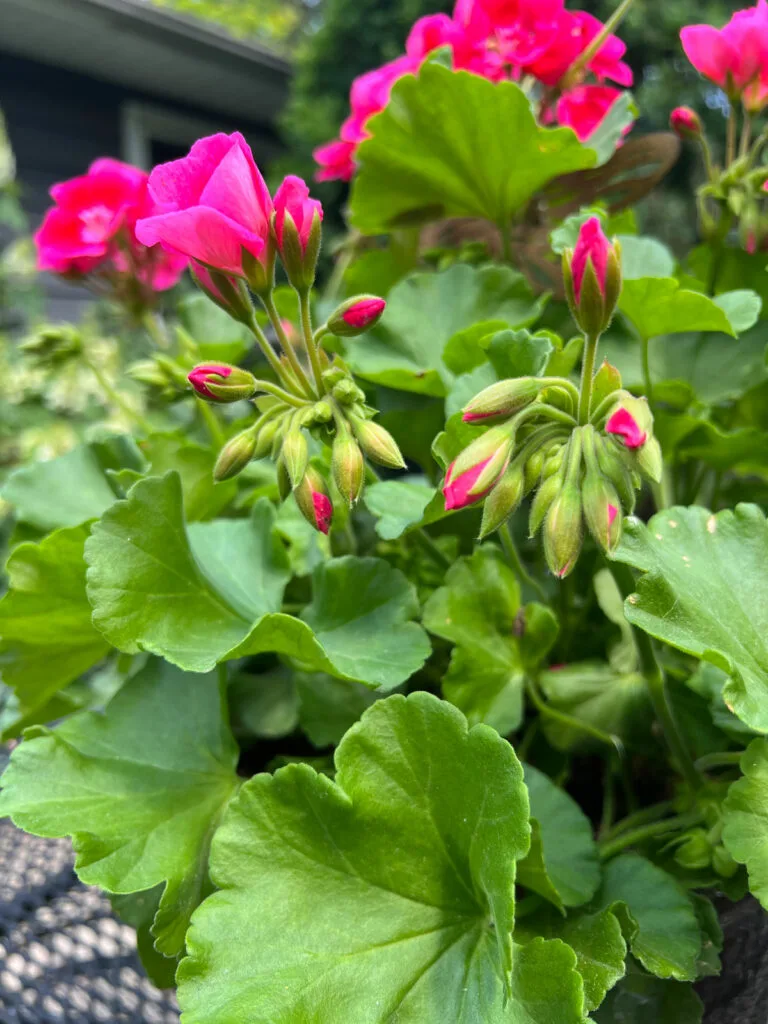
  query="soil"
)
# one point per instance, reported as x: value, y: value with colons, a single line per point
x: 740, y: 994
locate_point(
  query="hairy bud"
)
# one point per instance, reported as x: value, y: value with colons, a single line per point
x: 501, y: 400
x: 563, y: 531
x: 235, y: 456
x: 348, y: 468
x: 219, y: 382
x: 377, y: 443
x: 356, y: 316
x: 503, y: 500
x: 295, y: 455
x: 602, y: 510
x: 312, y: 499
x: 592, y: 276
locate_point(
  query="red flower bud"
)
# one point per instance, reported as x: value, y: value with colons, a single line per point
x: 355, y: 316
x: 313, y: 502
x: 592, y: 276
x: 685, y: 123
x: 476, y: 471
x: 297, y: 228
x: 219, y: 382
x: 624, y: 425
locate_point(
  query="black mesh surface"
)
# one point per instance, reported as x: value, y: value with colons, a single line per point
x: 64, y: 957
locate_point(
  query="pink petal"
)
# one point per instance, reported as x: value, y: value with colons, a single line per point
x: 624, y: 425
x: 204, y: 234
x: 708, y: 51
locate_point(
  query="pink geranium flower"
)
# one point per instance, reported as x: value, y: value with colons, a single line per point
x: 592, y: 246
x: 584, y: 108
x: 292, y: 199
x: 215, y: 205
x: 734, y: 57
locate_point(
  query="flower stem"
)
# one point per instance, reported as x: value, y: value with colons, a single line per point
x: 657, y: 687
x: 647, y: 380
x: 268, y: 351
x: 211, y: 422
x: 610, y: 847
x: 513, y: 557
x: 268, y: 303
x: 723, y: 759
x: 642, y: 817
x: 309, y: 340
x: 282, y: 394
x: 431, y: 548
x: 587, y: 376
x: 154, y: 327
x: 730, y: 138
x: 746, y: 135
x: 548, y: 711
x: 506, y: 241
x: 571, y: 76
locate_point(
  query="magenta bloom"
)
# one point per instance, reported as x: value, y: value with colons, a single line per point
x: 336, y: 161
x: 624, y: 425
x: 364, y: 313
x: 323, y: 511
x: 215, y: 205
x: 292, y: 199
x: 91, y: 229
x: 208, y: 373
x: 612, y: 513
x: 592, y: 245
x: 456, y: 489
x: 685, y: 122
x: 584, y: 108
x: 734, y: 57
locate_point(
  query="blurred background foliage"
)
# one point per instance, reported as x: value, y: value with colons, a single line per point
x: 334, y: 41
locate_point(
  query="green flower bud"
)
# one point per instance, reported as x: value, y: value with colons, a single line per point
x: 723, y: 862
x: 481, y: 449
x: 612, y: 464
x: 346, y: 392
x: 356, y: 316
x: 607, y: 381
x: 322, y: 412
x: 333, y: 375
x: 295, y: 455
x: 554, y: 461
x: 348, y: 468
x: 265, y: 438
x: 503, y: 500
x: 564, y: 531
x: 284, y: 485
x: 695, y: 852
x: 650, y: 460
x: 219, y: 382
x: 235, y: 456
x: 533, y: 470
x: 312, y: 499
x: 602, y: 510
x: 502, y: 400
x: 377, y: 443
x: 546, y: 494
x: 147, y: 371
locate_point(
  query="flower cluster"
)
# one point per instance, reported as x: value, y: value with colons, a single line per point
x: 214, y: 209
x: 90, y: 235
x: 580, y: 453
x: 538, y: 42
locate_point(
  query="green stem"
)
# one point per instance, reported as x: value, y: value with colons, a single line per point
x: 571, y: 76
x: 513, y: 557
x: 267, y: 349
x: 431, y: 548
x: 643, y: 817
x: 113, y: 396
x: 730, y: 138
x: 282, y: 394
x: 153, y: 326
x: 647, y: 380
x: 609, y: 799
x: 212, y: 425
x: 309, y: 340
x: 723, y: 759
x: 506, y: 241
x: 610, y: 847
x: 268, y: 303
x: 548, y: 711
x: 657, y: 686
x: 746, y: 135
x: 587, y: 376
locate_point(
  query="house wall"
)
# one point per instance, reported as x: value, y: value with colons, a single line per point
x: 60, y: 121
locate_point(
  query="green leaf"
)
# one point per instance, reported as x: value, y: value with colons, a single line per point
x: 425, y: 311
x: 479, y: 610
x: 644, y: 258
x: 45, y: 620
x: 410, y: 861
x: 399, y: 504
x: 520, y: 353
x: 709, y: 964
x: 66, y: 491
x: 328, y: 707
x: 745, y: 816
x: 742, y: 307
x: 642, y: 999
x: 139, y: 788
x: 263, y: 705
x: 437, y: 152
x: 705, y: 591
x: 203, y: 499
x: 657, y: 305
x: 597, y: 695
x: 656, y: 915
x: 217, y: 598
x: 563, y: 858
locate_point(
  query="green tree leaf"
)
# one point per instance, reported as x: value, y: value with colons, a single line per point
x: 656, y: 915
x: 217, y: 598
x: 563, y: 858
x: 424, y: 313
x: 642, y: 999
x: 48, y: 639
x: 480, y: 611
x: 705, y: 591
x: 437, y: 151
x: 66, y: 491
x: 139, y: 788
x: 745, y: 816
x: 410, y: 860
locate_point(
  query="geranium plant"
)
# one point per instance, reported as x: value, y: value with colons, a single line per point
x: 402, y: 657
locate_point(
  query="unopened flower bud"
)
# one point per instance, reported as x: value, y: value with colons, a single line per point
x: 631, y: 421
x: 564, y: 531
x: 686, y: 123
x: 602, y: 510
x: 377, y: 443
x: 612, y: 464
x: 295, y: 455
x: 348, y: 468
x: 298, y: 231
x: 235, y: 456
x: 356, y: 316
x: 554, y: 461
x: 322, y: 412
x: 219, y: 382
x: 592, y: 276
x: 313, y: 501
x: 474, y: 473
x: 695, y: 852
x: 265, y: 438
x: 533, y: 470
x: 723, y: 862
x: 228, y: 292
x: 546, y: 494
x: 503, y: 500
x: 346, y: 392
x: 501, y: 400
x: 650, y: 460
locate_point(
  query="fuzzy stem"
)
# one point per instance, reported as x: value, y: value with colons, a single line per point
x: 152, y: 323
x: 565, y: 719
x: 268, y: 351
x: 268, y: 303
x: 513, y: 557
x: 587, y: 377
x: 572, y: 74
x: 309, y: 340
x: 657, y: 686
x: 609, y: 848
x: 746, y: 135
x: 730, y: 138
x: 282, y: 394
x: 723, y: 759
x: 642, y: 817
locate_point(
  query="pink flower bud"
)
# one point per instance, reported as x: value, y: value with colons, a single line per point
x: 592, y: 246
x: 624, y: 425
x: 200, y: 377
x: 313, y: 501
x: 592, y: 277
x: 323, y: 511
x: 297, y: 228
x: 355, y: 316
x: 457, y: 490
x: 685, y: 123
x: 218, y: 382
